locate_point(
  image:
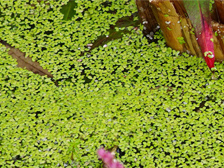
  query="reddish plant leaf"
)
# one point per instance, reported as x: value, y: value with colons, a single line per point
x: 198, y: 12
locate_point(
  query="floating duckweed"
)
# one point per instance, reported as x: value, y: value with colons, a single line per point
x: 181, y: 40
x: 147, y: 99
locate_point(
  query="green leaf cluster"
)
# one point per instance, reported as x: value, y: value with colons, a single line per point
x: 158, y: 106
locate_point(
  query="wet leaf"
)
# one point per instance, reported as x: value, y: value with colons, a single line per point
x: 68, y: 10
x: 26, y: 62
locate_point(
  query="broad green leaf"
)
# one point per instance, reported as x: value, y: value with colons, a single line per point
x: 68, y: 10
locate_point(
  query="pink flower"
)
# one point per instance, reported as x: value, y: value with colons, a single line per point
x: 108, y: 159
